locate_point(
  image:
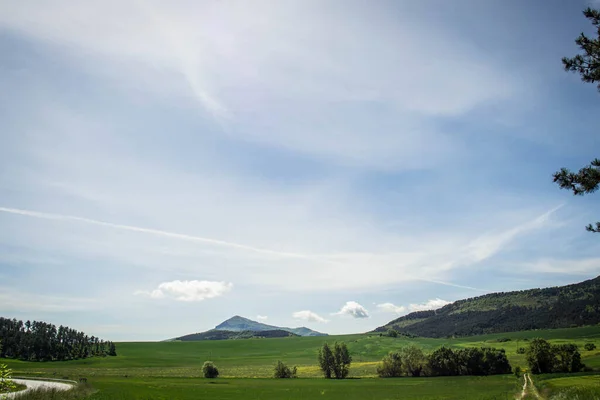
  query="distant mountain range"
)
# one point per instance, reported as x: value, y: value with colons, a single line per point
x: 556, y: 307
x: 243, y: 328
x: 237, y: 323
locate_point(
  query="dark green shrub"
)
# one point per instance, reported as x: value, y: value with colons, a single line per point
x: 209, y: 370
x: 392, y: 333
x: 589, y: 346
x: 283, y: 371
x: 521, y: 350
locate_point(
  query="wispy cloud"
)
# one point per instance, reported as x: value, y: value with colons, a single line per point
x: 188, y: 290
x: 307, y: 315
x: 432, y: 304
x: 569, y: 266
x: 354, y: 310
x: 261, y: 318
x: 19, y: 301
x: 240, y: 68
x: 391, y: 308
x: 215, y: 242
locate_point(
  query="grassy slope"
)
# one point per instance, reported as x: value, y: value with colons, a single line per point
x: 172, y: 369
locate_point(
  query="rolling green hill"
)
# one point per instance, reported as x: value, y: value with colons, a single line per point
x: 243, y: 328
x: 215, y: 334
x: 238, y: 324
x: 556, y: 307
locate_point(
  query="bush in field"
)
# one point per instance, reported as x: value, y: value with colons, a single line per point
x: 391, y: 366
x: 521, y: 350
x: 209, y: 370
x: 283, y: 371
x: 518, y: 372
x: 589, y: 346
x: 392, y: 333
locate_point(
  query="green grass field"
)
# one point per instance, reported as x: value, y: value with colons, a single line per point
x: 172, y: 370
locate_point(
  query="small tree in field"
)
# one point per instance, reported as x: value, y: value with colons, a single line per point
x: 540, y: 357
x: 413, y: 360
x: 209, y: 370
x: 283, y: 371
x: 343, y: 359
x: 326, y: 360
x: 391, y: 366
x: 336, y: 363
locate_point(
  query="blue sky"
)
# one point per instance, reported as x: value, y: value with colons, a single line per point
x: 333, y: 164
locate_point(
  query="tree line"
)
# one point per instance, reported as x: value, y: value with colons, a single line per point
x: 412, y: 361
x: 544, y: 358
x: 41, y: 341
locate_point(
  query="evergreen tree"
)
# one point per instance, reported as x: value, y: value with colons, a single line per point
x: 587, y: 64
x: 326, y: 361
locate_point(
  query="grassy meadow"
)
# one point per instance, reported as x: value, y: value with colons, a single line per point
x: 172, y: 370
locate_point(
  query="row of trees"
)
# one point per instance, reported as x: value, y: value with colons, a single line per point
x: 544, y: 357
x: 41, y: 341
x: 411, y: 361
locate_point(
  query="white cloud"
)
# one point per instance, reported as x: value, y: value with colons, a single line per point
x: 307, y: 315
x: 240, y: 68
x: 433, y: 304
x: 261, y: 318
x: 17, y: 301
x: 391, y: 308
x: 582, y: 266
x: 353, y: 309
x: 188, y: 290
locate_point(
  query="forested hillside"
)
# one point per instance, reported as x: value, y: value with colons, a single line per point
x: 41, y: 341
x: 556, y: 307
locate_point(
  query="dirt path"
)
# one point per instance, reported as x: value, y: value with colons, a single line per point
x: 529, y: 389
x: 35, y: 384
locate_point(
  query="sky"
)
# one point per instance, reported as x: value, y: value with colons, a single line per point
x: 332, y: 164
